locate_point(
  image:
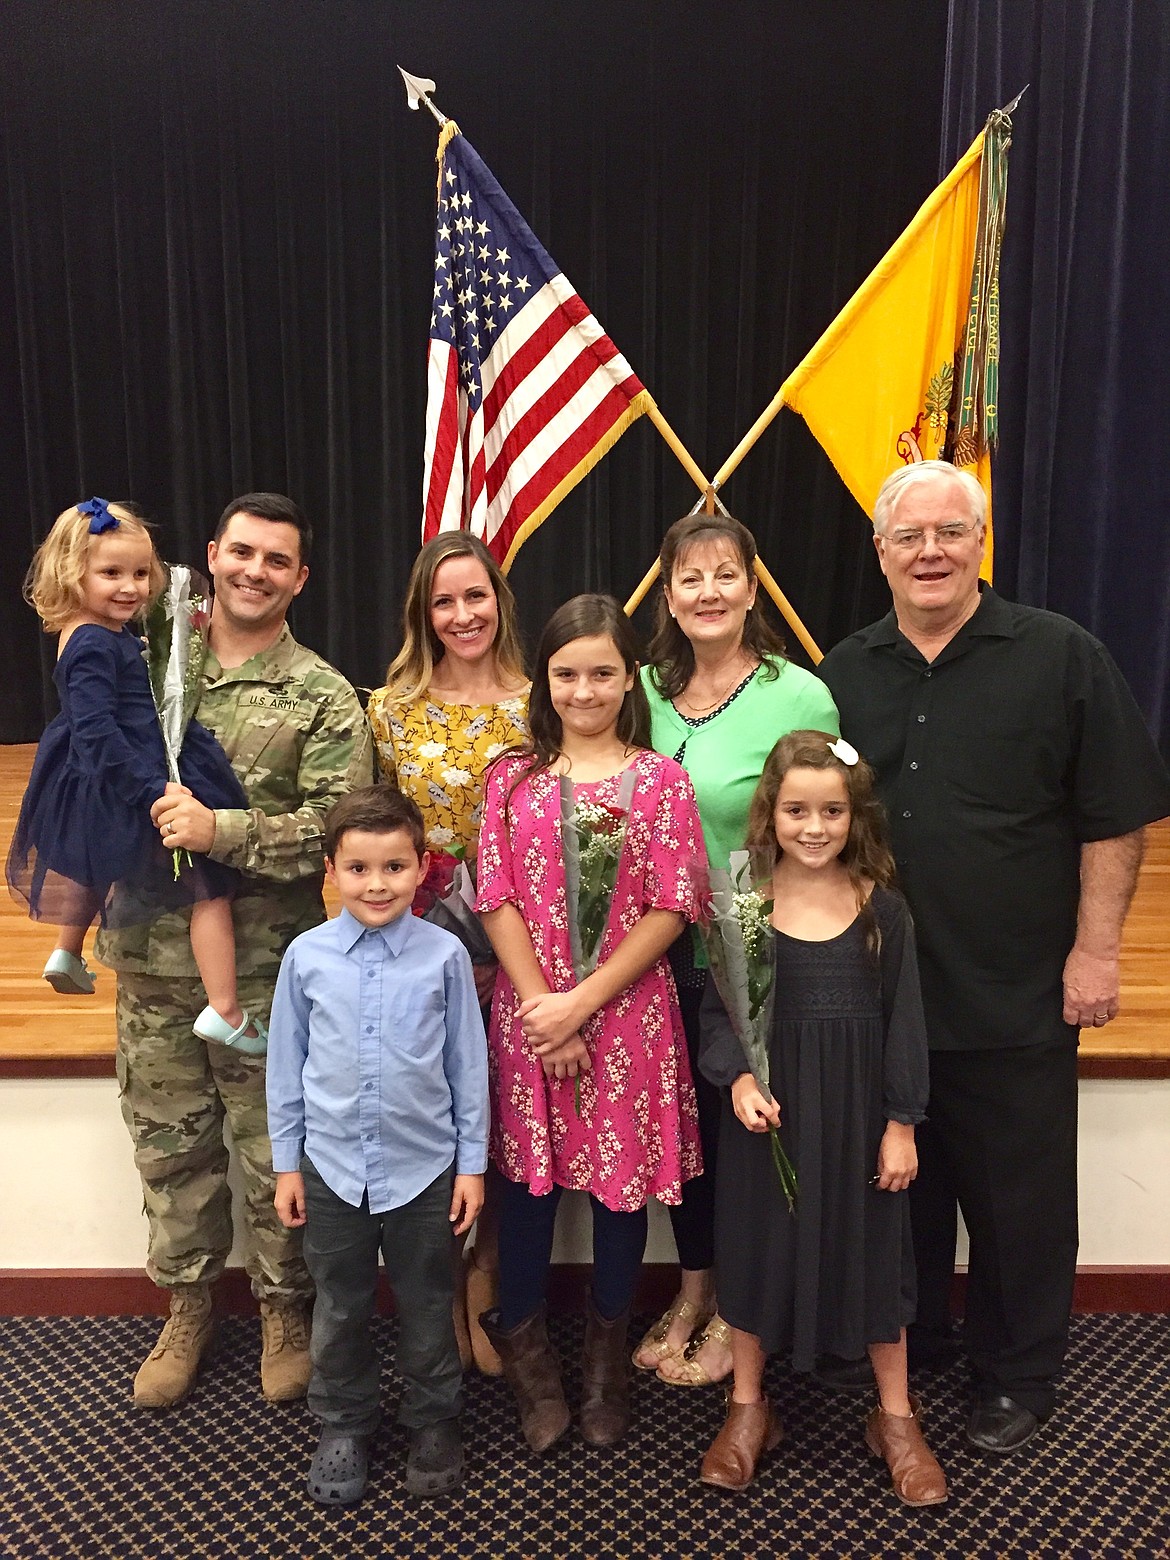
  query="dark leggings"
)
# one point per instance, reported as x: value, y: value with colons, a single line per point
x: 693, y: 1219
x: 526, y: 1241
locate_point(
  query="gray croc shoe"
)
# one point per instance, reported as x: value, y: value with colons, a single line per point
x: 434, y: 1463
x: 337, y: 1476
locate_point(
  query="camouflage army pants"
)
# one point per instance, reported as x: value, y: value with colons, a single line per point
x: 176, y: 1092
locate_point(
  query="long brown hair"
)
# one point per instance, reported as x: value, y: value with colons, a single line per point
x: 583, y: 617
x: 671, y: 654
x: 866, y: 856
x: 409, y: 673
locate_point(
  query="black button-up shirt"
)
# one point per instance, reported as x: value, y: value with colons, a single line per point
x: 996, y: 762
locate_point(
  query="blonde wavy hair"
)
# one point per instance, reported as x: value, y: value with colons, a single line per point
x: 52, y: 586
x: 409, y: 673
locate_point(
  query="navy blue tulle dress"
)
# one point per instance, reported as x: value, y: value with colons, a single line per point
x: 84, y: 823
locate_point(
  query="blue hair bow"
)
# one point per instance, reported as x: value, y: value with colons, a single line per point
x: 100, y: 518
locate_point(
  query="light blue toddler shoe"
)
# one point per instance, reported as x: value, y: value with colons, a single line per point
x: 210, y: 1026
x: 68, y: 974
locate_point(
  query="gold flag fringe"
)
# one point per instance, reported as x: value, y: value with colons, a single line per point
x: 445, y: 133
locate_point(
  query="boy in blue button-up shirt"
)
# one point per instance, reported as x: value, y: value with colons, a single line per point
x: 378, y: 1114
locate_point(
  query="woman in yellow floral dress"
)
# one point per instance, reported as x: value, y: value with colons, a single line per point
x: 455, y: 698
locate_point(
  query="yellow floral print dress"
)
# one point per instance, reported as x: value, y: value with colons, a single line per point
x: 437, y: 754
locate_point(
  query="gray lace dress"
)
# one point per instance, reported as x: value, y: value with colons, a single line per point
x: 848, y: 1054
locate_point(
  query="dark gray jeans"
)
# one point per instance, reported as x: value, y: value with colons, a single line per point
x: 341, y: 1250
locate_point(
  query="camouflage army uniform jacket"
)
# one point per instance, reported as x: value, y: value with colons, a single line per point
x: 298, y: 740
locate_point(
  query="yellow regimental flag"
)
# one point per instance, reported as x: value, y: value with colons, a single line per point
x: 908, y: 370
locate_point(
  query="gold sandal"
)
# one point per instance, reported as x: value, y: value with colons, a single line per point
x: 655, y: 1339
x: 691, y: 1373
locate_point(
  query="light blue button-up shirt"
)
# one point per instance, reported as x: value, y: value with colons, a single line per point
x: 377, y: 1061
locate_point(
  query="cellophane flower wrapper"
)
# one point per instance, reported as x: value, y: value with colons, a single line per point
x: 453, y: 904
x: 592, y: 837
x: 736, y: 935
x: 176, y: 647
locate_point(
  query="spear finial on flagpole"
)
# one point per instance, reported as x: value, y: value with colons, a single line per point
x: 418, y: 89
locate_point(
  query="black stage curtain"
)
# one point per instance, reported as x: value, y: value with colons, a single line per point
x: 1080, y: 487
x: 221, y: 261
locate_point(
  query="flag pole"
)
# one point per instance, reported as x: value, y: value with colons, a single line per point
x: 762, y: 421
x: 778, y: 400
x: 677, y: 447
x: 418, y: 89
x: 836, y: 328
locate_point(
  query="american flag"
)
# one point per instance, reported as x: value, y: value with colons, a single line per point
x: 526, y: 392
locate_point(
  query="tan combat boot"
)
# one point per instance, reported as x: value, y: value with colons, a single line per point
x: 284, y: 1362
x: 169, y: 1370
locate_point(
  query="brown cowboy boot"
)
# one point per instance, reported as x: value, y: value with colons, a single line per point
x: 284, y: 1359
x: 605, y: 1379
x: 917, y: 1478
x: 749, y: 1432
x: 534, y: 1374
x: 168, y: 1373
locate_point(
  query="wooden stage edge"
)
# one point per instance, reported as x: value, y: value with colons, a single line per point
x: 128, y: 1291
x: 43, y: 1035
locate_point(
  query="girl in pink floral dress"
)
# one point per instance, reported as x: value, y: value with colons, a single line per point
x: 589, y: 866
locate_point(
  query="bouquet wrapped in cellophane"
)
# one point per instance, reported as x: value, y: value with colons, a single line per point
x: 447, y: 899
x: 592, y: 837
x: 176, y: 646
x: 739, y: 952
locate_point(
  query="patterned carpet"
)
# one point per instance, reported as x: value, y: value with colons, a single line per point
x: 85, y: 1474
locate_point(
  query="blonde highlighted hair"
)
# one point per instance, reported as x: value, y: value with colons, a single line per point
x: 865, y: 856
x: 409, y: 673
x: 52, y: 586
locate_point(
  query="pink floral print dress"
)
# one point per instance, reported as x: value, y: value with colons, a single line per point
x: 637, y: 1133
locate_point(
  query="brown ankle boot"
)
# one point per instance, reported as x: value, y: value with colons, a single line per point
x: 749, y: 1432
x: 534, y: 1374
x: 917, y: 1478
x: 168, y: 1373
x: 605, y: 1379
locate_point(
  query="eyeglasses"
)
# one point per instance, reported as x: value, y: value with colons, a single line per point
x: 949, y: 534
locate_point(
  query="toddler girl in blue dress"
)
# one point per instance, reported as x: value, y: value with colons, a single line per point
x: 85, y: 821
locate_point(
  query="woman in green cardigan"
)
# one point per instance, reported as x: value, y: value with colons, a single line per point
x: 721, y: 696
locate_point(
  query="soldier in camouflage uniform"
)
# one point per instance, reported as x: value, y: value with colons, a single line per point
x: 296, y: 737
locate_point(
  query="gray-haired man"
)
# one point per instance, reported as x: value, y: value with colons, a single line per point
x: 1018, y: 777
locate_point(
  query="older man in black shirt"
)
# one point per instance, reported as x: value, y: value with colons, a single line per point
x: 1018, y: 777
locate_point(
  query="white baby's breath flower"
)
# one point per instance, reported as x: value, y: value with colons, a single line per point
x: 751, y: 912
